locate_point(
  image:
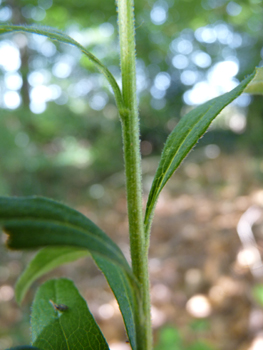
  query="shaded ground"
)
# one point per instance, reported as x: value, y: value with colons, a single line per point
x: 195, y: 250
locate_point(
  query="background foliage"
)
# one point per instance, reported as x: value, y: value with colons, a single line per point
x: 65, y: 117
x: 59, y: 130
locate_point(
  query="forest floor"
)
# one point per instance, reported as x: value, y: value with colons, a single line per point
x: 203, y: 277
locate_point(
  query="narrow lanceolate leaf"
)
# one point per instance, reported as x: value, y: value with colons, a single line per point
x: 125, y: 294
x: 59, y: 36
x: 256, y: 85
x: 34, y: 222
x: 44, y: 261
x: 182, y: 139
x: 61, y: 319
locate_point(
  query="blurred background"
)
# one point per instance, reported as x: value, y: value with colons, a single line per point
x: 60, y: 137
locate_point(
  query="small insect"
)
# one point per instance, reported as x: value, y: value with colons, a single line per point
x: 58, y: 307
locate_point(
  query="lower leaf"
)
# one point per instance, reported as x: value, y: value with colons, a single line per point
x: 61, y: 319
x: 24, y: 347
x: 44, y: 261
x: 125, y: 294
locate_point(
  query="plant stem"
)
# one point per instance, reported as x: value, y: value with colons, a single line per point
x: 132, y: 159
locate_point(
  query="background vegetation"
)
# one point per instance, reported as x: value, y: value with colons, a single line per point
x: 59, y: 130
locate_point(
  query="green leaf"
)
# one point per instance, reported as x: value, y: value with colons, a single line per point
x: 182, y: 139
x: 72, y: 329
x: 49, y: 258
x: 56, y: 35
x: 125, y: 294
x: 33, y: 222
x: 44, y: 261
x: 24, y: 347
x: 256, y: 85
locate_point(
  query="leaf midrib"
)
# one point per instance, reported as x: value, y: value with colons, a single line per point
x: 58, y: 223
x: 59, y: 321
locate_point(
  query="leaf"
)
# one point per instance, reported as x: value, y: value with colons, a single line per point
x: 125, y: 294
x: 182, y: 139
x: 33, y: 222
x: 24, y: 347
x: 44, y: 261
x: 56, y: 35
x: 49, y: 258
x: 72, y: 329
x: 256, y: 85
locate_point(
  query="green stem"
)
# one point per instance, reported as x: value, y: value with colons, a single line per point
x: 132, y: 158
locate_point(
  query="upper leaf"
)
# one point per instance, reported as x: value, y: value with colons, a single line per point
x: 44, y: 261
x: 182, y: 139
x: 72, y: 329
x: 57, y: 35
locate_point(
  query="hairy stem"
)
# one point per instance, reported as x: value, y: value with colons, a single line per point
x: 132, y: 158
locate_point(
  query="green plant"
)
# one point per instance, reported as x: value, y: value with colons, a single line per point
x: 171, y: 339
x: 257, y: 293
x: 66, y: 235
